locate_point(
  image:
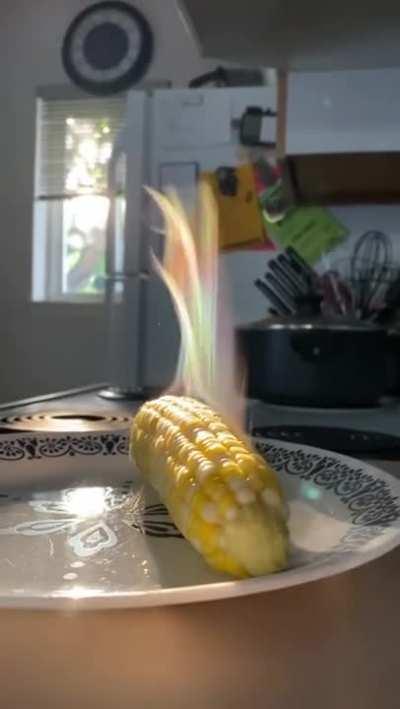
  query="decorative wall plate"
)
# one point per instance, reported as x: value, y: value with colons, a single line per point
x: 107, y: 48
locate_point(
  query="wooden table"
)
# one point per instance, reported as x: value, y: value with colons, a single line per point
x: 330, y: 644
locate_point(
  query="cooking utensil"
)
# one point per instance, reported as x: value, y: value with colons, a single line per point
x: 286, y: 278
x: 300, y: 265
x: 286, y: 265
x: 282, y: 307
x: 315, y: 361
x: 369, y: 265
x: 337, y: 294
x: 290, y: 280
x: 281, y: 290
x: 349, y: 273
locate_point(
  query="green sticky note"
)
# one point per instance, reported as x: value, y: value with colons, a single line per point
x: 312, y: 231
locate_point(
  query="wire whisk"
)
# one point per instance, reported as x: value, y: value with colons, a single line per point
x: 370, y: 267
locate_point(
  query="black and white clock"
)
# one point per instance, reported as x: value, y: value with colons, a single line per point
x: 108, y: 47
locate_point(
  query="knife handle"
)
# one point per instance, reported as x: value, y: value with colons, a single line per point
x: 273, y: 298
x: 283, y: 292
x: 292, y: 283
x: 301, y: 266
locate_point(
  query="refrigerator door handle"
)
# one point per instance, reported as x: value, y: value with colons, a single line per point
x: 113, y: 190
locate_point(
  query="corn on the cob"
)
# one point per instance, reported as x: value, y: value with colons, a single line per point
x: 222, y: 496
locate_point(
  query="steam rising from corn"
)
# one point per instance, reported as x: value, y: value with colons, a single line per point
x: 222, y: 496
x: 207, y: 363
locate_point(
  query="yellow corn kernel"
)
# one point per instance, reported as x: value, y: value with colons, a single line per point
x: 219, y: 560
x: 218, y: 428
x: 255, y: 481
x: 183, y: 476
x: 159, y: 444
x: 214, y: 487
x: 206, y: 534
x: 198, y: 503
x: 195, y: 459
x: 204, y: 438
x: 229, y: 468
x: 215, y: 450
x: 237, y: 450
x: 245, y: 463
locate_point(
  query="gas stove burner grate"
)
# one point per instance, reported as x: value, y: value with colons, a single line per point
x: 65, y: 421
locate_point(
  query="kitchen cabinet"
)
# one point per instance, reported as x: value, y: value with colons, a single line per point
x: 339, y: 135
x: 308, y: 35
x: 343, y: 112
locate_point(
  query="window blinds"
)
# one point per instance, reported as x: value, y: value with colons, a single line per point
x: 75, y: 138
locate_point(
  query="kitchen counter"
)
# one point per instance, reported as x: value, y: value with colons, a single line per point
x: 330, y: 643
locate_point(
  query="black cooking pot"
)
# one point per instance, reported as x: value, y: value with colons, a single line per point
x: 393, y: 361
x: 315, y: 361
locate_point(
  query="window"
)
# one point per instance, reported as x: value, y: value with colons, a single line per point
x: 74, y: 139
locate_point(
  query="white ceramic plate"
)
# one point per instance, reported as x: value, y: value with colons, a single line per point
x: 78, y: 528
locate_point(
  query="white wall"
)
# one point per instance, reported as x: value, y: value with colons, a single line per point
x: 49, y: 347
